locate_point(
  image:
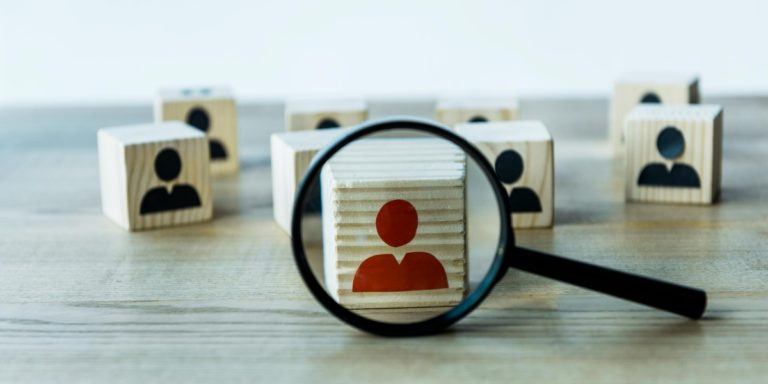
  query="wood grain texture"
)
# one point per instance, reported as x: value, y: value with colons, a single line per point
x: 219, y: 105
x: 701, y: 127
x: 81, y: 300
x: 307, y: 114
x: 532, y: 141
x: 671, y: 89
x: 127, y: 173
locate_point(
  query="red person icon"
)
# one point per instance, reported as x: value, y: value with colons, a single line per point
x: 396, y: 225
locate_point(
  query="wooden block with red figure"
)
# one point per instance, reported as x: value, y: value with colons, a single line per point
x: 394, y: 224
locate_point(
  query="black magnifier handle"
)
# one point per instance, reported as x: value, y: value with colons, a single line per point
x: 679, y: 299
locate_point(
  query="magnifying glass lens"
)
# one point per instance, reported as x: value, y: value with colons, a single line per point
x: 400, y: 226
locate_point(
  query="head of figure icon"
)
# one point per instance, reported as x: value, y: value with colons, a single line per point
x: 396, y: 222
x: 509, y: 166
x: 328, y: 123
x: 199, y: 119
x: 650, y: 98
x: 478, y: 119
x: 670, y: 143
x: 167, y: 164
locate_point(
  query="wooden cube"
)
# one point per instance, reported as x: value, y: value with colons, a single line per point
x: 674, y: 154
x: 452, y: 111
x: 522, y: 154
x: 393, y: 224
x: 291, y: 154
x: 211, y: 110
x: 154, y: 175
x: 648, y: 88
x: 302, y: 115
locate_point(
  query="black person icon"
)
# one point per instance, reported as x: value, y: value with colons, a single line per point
x: 199, y: 119
x: 167, y: 168
x: 671, y: 145
x: 509, y: 167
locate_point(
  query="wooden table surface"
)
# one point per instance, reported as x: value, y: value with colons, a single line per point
x: 83, y: 300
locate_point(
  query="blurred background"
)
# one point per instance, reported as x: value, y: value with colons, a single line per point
x: 89, y: 51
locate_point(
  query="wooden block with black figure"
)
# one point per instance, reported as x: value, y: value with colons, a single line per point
x: 522, y: 154
x: 212, y: 111
x: 154, y: 175
x: 674, y: 154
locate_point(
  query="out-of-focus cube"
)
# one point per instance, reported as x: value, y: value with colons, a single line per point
x: 648, y: 88
x: 211, y: 110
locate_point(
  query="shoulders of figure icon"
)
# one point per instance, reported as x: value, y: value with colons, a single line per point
x: 186, y: 194
x: 383, y: 273
x: 524, y: 199
x: 669, y: 175
x: 163, y: 198
x: 685, y: 175
x: 217, y: 150
x: 155, y: 200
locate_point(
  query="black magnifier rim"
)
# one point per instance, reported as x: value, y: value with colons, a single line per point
x: 442, y: 321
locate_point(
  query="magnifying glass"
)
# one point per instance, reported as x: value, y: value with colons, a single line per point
x: 401, y: 228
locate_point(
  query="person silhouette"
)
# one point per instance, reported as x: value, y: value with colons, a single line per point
x: 671, y: 145
x: 198, y: 118
x: 509, y: 168
x: 167, y: 168
x: 327, y: 123
x: 396, y: 225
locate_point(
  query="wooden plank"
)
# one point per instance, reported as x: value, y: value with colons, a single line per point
x: 81, y: 300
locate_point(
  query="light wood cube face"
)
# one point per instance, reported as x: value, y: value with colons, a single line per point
x: 522, y: 154
x: 639, y: 89
x: 154, y: 175
x: 394, y: 231
x: 291, y: 154
x: 452, y: 111
x: 211, y: 110
x: 674, y: 154
x: 302, y: 115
